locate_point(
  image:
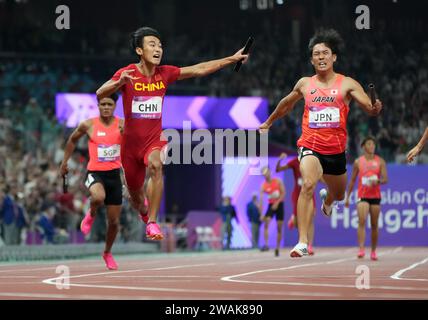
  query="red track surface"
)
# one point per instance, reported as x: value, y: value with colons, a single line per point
x: 400, y: 273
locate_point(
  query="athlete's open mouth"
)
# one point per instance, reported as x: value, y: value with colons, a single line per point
x: 322, y: 64
x: 157, y: 56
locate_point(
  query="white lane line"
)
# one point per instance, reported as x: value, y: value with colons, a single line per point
x: 398, y: 274
x: 208, y: 291
x: 183, y: 266
x: 18, y: 277
x: 232, y: 277
x: 77, y: 296
x: 169, y: 276
x: 52, y: 281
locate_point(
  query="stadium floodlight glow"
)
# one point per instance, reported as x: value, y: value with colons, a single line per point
x: 280, y: 2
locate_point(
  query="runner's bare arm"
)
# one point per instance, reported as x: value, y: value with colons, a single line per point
x: 261, y: 200
x: 285, y: 105
x: 121, y: 124
x: 280, y: 168
x: 79, y: 132
x: 357, y: 93
x: 352, y: 182
x: 418, y: 148
x: 383, y: 172
x: 111, y: 86
x: 206, y: 68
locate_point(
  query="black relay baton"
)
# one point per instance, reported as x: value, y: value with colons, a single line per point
x: 372, y: 93
x: 245, y: 51
x: 64, y: 183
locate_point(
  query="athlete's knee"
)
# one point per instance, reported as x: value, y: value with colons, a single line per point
x: 374, y: 225
x: 155, y: 167
x: 97, y: 200
x: 339, y: 195
x: 113, y: 222
x: 308, y: 186
x: 362, y: 223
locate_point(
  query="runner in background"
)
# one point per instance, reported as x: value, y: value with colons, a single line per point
x: 103, y: 177
x: 371, y: 172
x: 275, y: 190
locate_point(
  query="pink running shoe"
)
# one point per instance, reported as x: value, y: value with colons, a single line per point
x: 145, y: 216
x: 291, y: 222
x: 373, y: 256
x: 361, y: 253
x: 153, y: 231
x: 108, y: 259
x: 310, y: 250
x: 86, y: 224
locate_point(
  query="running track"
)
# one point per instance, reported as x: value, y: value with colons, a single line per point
x: 400, y: 273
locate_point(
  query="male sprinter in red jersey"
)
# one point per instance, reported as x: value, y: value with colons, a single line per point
x: 371, y: 171
x: 103, y: 177
x: 418, y: 148
x: 294, y: 165
x: 274, y: 188
x: 143, y: 87
x: 322, y: 144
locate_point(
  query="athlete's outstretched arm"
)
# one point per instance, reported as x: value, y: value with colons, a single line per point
x: 206, y: 68
x: 418, y: 148
x: 261, y: 201
x: 383, y: 172
x: 285, y: 105
x: 79, y: 132
x: 280, y: 168
x: 352, y: 182
x: 111, y: 86
x: 357, y: 93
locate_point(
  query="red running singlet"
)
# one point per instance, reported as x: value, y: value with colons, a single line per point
x: 104, y: 146
x: 272, y: 189
x: 142, y: 106
x: 369, y: 171
x: 324, y: 118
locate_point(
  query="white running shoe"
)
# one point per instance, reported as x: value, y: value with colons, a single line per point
x: 323, y: 195
x: 300, y: 250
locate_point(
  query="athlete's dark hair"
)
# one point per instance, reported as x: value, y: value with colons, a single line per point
x: 138, y: 36
x: 330, y: 37
x: 113, y: 96
x: 368, y: 138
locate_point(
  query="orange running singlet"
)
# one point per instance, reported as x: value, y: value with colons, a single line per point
x: 104, y: 146
x: 324, y: 118
x: 369, y: 171
x: 272, y: 189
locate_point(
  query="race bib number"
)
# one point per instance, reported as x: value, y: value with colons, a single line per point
x: 324, y: 117
x: 274, y: 195
x: 369, y: 181
x: 108, y: 153
x: 147, y: 107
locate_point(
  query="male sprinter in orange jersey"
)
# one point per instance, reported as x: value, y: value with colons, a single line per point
x: 371, y: 171
x: 274, y: 188
x: 143, y: 87
x: 322, y: 144
x: 103, y: 177
x: 294, y: 165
